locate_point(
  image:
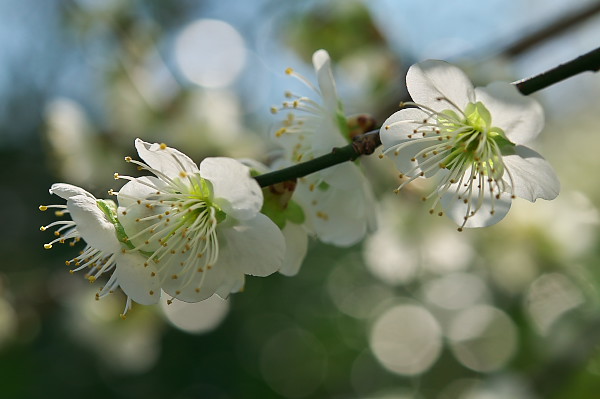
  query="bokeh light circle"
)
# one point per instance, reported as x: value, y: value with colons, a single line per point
x: 210, y: 53
x: 406, y: 339
x: 483, y: 338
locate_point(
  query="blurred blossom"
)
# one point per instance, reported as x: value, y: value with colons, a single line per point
x: 406, y: 339
x: 131, y: 346
x: 8, y: 322
x: 483, y: 338
x: 68, y: 135
x: 293, y: 363
x: 337, y: 201
x: 210, y: 53
x: 197, y: 318
x: 571, y: 221
x: 549, y: 297
x: 456, y: 291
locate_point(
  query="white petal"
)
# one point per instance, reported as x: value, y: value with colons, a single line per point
x: 456, y: 209
x: 194, y: 287
x: 93, y: 224
x: 234, y: 282
x: 400, y: 125
x: 238, y: 194
x: 533, y: 177
x: 337, y: 215
x: 296, y: 246
x: 130, y: 211
x: 521, y: 117
x: 140, y: 283
x: 140, y: 188
x: 322, y: 64
x: 168, y: 160
x: 255, y: 246
x: 429, y: 80
x: 67, y: 191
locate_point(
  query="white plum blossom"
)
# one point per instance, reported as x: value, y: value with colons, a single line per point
x: 200, y: 227
x: 94, y: 221
x: 338, y: 201
x: 472, y: 139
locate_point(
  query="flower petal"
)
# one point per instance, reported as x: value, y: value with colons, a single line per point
x: 296, y: 246
x: 456, y: 209
x: 255, y: 246
x: 521, y: 117
x: 430, y: 80
x: 195, y: 285
x: 532, y: 175
x: 92, y: 224
x: 341, y: 214
x: 130, y: 212
x: 400, y: 125
x: 395, y: 132
x: 140, y: 283
x: 322, y: 64
x: 165, y: 159
x: 67, y: 191
x: 238, y: 194
x: 234, y: 282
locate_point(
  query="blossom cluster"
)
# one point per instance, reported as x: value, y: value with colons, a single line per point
x: 189, y: 231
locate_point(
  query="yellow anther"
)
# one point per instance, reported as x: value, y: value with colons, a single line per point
x: 380, y: 156
x: 47, y: 246
x: 174, y: 277
x: 289, y: 71
x: 123, y: 316
x: 274, y: 110
x: 91, y: 279
x: 127, y: 159
x: 43, y: 208
x: 280, y: 132
x: 151, y: 292
x: 182, y: 174
x: 43, y: 228
x: 163, y: 146
x: 116, y: 176
x: 59, y: 213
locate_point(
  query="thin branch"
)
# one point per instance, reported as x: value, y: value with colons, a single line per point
x: 587, y: 62
x: 553, y: 29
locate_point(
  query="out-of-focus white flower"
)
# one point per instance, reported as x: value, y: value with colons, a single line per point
x: 279, y: 206
x: 200, y: 227
x: 472, y: 138
x: 95, y: 222
x: 338, y: 201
